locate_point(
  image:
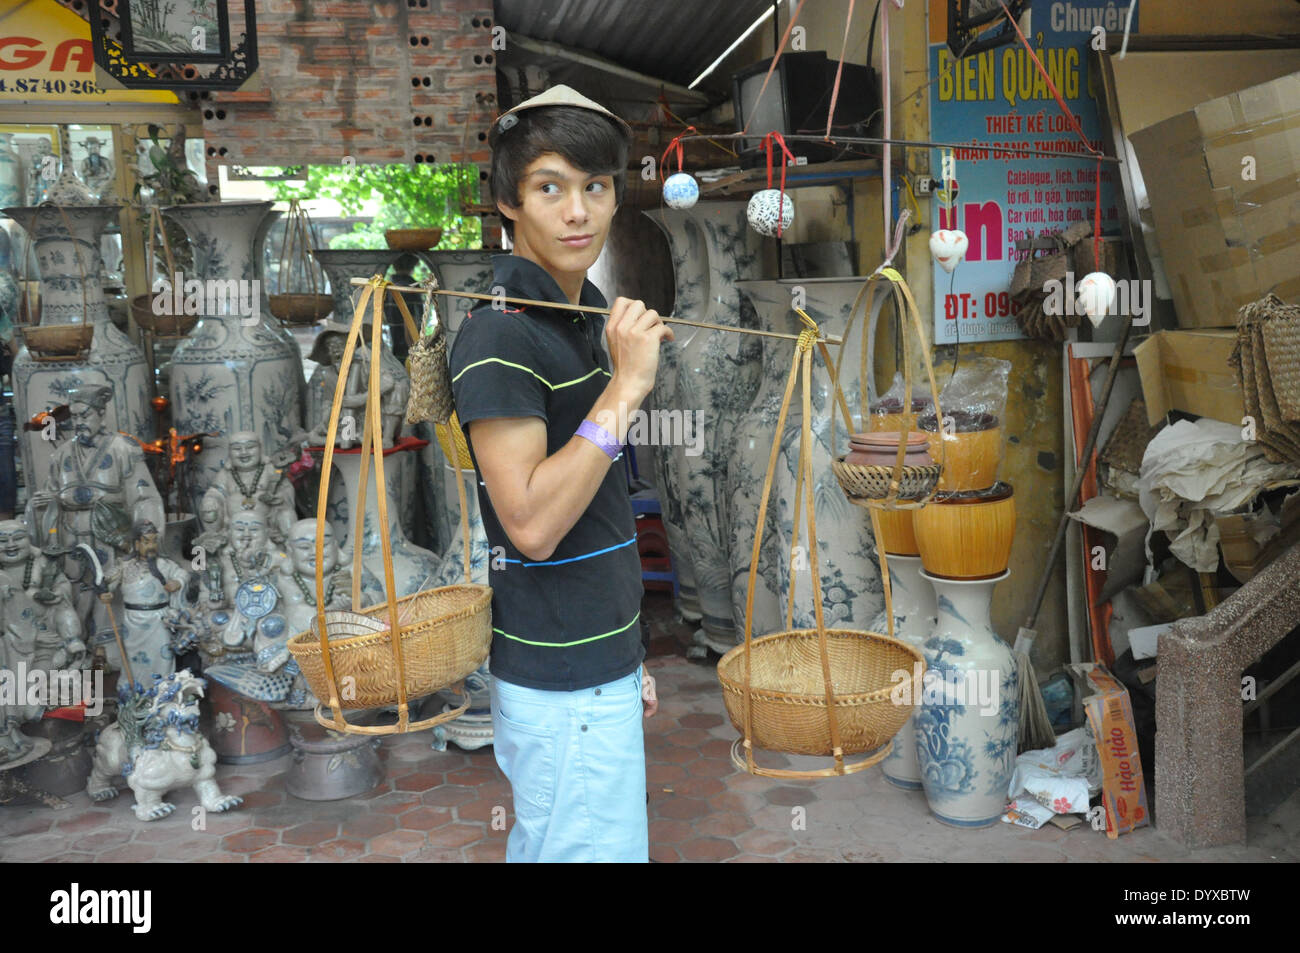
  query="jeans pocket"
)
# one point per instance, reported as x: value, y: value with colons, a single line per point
x: 525, y: 750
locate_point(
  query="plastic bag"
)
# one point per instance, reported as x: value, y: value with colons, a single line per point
x: 969, y: 442
x: 886, y: 413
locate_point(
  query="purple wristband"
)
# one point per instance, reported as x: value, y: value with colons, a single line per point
x: 600, y: 437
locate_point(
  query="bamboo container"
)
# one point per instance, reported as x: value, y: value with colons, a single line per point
x: 967, y: 536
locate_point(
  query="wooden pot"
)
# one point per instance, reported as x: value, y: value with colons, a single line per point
x: 897, y: 536
x: 967, y: 535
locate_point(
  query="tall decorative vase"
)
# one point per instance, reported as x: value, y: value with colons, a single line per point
x: 341, y: 265
x: 851, y: 593
x: 915, y: 616
x: 237, y: 369
x: 469, y: 271
x: 66, y: 243
x: 717, y: 377
x: 968, y: 720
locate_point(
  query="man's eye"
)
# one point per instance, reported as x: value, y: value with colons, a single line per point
x: 597, y: 186
x: 550, y: 188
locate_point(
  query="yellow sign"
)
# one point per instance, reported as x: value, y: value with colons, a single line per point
x: 45, y: 54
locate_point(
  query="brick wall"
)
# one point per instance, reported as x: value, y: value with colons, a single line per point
x: 390, y: 81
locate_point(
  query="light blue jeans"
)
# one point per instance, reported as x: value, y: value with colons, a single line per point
x: 576, y: 764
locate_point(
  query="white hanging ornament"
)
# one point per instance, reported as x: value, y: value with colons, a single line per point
x: 768, y: 207
x: 948, y: 246
x: 1096, y: 295
x: 681, y: 190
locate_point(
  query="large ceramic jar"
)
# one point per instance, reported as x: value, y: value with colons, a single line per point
x: 850, y: 590
x: 968, y: 719
x: 914, y: 621
x: 238, y: 369
x: 66, y: 244
x: 717, y: 377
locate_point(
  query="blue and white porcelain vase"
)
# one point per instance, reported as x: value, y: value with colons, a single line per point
x: 850, y: 590
x: 238, y: 369
x: 915, y: 616
x: 968, y: 718
x: 717, y: 378
x: 65, y: 241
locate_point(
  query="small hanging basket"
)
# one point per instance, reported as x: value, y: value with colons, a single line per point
x: 59, y: 342
x: 164, y: 326
x: 443, y: 635
x: 300, y: 300
x: 821, y: 692
x: 886, y: 487
x: 431, y: 394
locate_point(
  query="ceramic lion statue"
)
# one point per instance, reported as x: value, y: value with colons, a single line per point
x: 155, y: 744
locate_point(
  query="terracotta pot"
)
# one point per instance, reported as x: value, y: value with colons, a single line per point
x: 880, y: 449
x: 970, y: 453
x: 896, y: 533
x: 967, y: 535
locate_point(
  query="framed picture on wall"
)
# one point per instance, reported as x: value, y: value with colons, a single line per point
x: 175, y: 31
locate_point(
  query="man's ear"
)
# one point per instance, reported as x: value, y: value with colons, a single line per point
x: 508, y: 211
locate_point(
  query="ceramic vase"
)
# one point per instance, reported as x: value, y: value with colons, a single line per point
x: 66, y: 244
x: 849, y: 590
x: 914, y: 621
x: 341, y: 265
x: 717, y: 377
x: 967, y: 721
x: 12, y: 182
x: 238, y: 369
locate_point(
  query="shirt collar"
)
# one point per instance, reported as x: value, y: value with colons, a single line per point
x: 523, y: 278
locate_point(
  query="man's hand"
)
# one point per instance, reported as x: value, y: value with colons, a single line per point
x: 648, y: 695
x: 634, y: 334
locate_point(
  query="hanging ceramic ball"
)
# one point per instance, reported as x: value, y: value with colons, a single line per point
x: 1096, y: 295
x: 948, y: 246
x: 681, y: 190
x: 765, y: 208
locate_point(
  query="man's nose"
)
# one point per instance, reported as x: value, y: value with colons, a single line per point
x: 576, y: 208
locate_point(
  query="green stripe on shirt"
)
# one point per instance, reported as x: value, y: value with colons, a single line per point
x: 529, y: 370
x: 563, y: 645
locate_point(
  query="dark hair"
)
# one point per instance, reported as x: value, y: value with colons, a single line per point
x: 583, y: 138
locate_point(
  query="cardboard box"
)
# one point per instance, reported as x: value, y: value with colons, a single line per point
x: 1189, y: 371
x: 1224, y: 183
x: 1110, y: 716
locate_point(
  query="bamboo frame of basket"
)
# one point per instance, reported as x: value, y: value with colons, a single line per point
x: 371, y: 443
x: 795, y: 721
x: 294, y: 251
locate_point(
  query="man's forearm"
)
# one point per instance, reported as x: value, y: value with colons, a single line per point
x: 563, y: 485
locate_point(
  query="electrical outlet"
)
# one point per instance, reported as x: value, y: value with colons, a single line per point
x: 923, y: 185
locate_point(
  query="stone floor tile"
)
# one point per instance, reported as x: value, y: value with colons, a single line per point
x: 342, y: 849
x: 102, y: 840
x: 664, y: 774
x: 425, y: 819
x: 369, y: 825
x: 702, y: 720
x: 279, y: 855
x: 723, y: 825
x: 222, y: 858
x: 67, y: 857
x: 378, y: 859
x: 680, y: 808
x: 310, y: 833
x: 436, y: 855
x: 91, y: 820
x: 487, y: 852
x: 398, y: 843
x: 699, y: 787
x: 250, y: 840
x: 664, y: 831
x: 473, y: 776
x: 455, y: 835
x: 708, y: 850
x: 750, y: 859
x: 484, y: 811
x: 419, y: 781
x: 663, y: 854
x: 128, y: 854
x: 448, y: 795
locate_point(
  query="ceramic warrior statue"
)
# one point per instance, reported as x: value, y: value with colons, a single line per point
x: 95, y: 468
x: 17, y: 646
x: 394, y: 387
x: 153, y: 603
x: 40, y: 599
x: 248, y: 481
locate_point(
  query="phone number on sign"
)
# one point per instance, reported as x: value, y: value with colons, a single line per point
x: 54, y: 87
x: 997, y: 304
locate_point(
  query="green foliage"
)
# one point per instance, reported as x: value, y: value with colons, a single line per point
x: 410, y: 196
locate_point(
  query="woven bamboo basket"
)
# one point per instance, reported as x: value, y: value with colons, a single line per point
x: 820, y: 692
x: 300, y: 309
x: 431, y: 394
x: 59, y: 342
x: 443, y: 634
x: 897, y: 486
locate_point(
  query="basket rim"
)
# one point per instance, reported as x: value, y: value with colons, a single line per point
x: 736, y: 686
x: 308, y: 641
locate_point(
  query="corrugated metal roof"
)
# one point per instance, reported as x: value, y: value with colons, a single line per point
x: 674, y: 40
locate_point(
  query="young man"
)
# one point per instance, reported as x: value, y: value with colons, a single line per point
x: 545, y: 416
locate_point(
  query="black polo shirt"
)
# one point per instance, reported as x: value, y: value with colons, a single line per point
x: 573, y: 620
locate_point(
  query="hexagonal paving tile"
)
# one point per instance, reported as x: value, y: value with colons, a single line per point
x: 425, y: 819
x: 664, y: 773
x: 89, y: 821
x: 279, y: 855
x: 378, y: 859
x: 395, y: 802
x: 312, y: 832
x: 249, y: 841
x: 343, y: 849
x: 473, y: 777
x: 790, y: 796
x: 681, y: 808
x: 711, y: 768
x: 699, y: 787
x: 487, y: 852
x: 708, y: 850
x: 369, y: 825
x: 687, y: 737
x: 455, y: 835
x: 702, y: 720
x: 437, y: 855
x: 485, y: 811
x: 663, y: 854
x: 770, y: 843
x: 723, y: 825
x: 665, y: 831
x: 420, y: 781
x: 128, y: 854
x: 398, y: 843
x: 70, y: 858
x: 448, y: 795
x: 104, y: 839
